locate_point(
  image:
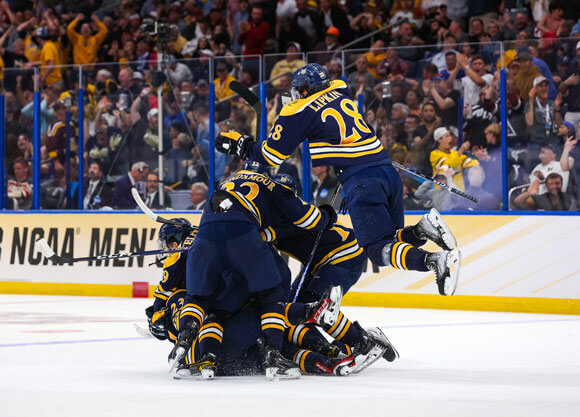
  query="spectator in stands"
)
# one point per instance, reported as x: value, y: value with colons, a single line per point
x: 407, y: 40
x: 241, y: 15
x: 457, y: 32
x: 553, y: 199
x: 177, y: 72
x: 413, y: 99
x: 254, y: 33
x: 476, y: 78
x: 375, y: 55
x: 335, y: 16
x: 198, y: 196
x: 362, y: 25
x: 551, y: 23
x: 25, y: 148
x: 201, y: 122
x: 411, y: 124
x: 19, y: 188
x: 481, y: 115
x: 485, y: 200
x: 122, y: 198
x: 311, y: 21
x: 432, y: 195
x: 145, y: 134
x: 50, y: 61
x: 548, y: 164
x: 326, y: 50
x: 452, y: 67
x: 176, y: 160
x: 392, y: 64
x: 423, y: 140
x: 572, y: 80
x: 222, y: 82
x: 445, y: 99
x: 399, y: 113
x: 97, y: 193
x: 291, y: 62
x: 490, y: 159
x: 152, y: 198
x: 361, y: 65
x: 324, y: 186
x: 86, y: 45
x: 410, y: 13
x: 570, y: 155
x: 542, y: 117
x: 444, y: 157
x: 56, y: 142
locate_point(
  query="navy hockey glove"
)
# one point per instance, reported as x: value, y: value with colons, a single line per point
x: 234, y: 143
x: 157, y: 322
x: 332, y: 216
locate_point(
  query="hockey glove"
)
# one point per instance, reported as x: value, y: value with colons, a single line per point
x: 332, y: 216
x: 157, y: 323
x: 234, y: 143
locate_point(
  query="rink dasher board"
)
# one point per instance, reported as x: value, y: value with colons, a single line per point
x: 510, y: 262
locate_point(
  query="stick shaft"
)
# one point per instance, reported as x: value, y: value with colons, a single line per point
x: 439, y: 183
x: 314, y: 248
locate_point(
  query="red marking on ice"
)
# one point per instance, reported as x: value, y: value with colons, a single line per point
x: 53, y: 331
x: 140, y: 289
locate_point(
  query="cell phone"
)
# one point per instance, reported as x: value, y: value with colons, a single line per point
x: 123, y: 101
x: 386, y: 86
x: 185, y: 98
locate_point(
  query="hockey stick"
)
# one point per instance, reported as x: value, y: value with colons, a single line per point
x: 439, y: 183
x: 314, y: 248
x: 143, y: 331
x: 253, y: 100
x: 150, y: 214
x: 60, y: 260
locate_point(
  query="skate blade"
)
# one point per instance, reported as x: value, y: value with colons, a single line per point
x: 437, y: 222
x: 454, y: 264
x: 382, y: 337
x: 187, y: 375
x: 364, y: 361
x: 273, y: 374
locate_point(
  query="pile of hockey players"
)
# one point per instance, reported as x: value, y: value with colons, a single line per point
x: 227, y: 302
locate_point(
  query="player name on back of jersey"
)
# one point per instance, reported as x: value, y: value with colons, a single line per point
x: 324, y: 99
x: 268, y: 183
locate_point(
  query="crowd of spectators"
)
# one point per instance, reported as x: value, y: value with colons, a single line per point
x: 428, y: 76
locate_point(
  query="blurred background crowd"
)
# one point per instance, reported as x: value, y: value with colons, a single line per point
x: 427, y: 73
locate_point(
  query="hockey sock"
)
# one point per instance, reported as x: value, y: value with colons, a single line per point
x: 408, y: 235
x: 344, y: 331
x: 295, y: 313
x: 273, y: 324
x: 308, y: 336
x: 312, y: 362
x: 401, y: 255
x: 210, y: 338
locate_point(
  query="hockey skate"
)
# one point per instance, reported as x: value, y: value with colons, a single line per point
x: 378, y: 336
x: 276, y: 365
x: 204, y: 369
x: 446, y: 266
x: 433, y: 227
x: 326, y: 310
x: 368, y: 351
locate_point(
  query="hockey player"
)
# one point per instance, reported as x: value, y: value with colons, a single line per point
x: 323, y: 113
x: 229, y: 240
x: 240, y: 328
x: 338, y: 260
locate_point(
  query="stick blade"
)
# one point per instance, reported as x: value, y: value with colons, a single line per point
x: 48, y: 253
x: 244, y: 92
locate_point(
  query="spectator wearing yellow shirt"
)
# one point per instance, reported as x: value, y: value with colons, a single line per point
x: 222, y: 82
x: 85, y: 45
x: 444, y: 158
x: 50, y: 72
x: 288, y: 65
x: 374, y: 56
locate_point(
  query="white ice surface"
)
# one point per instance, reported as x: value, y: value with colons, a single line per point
x: 80, y: 356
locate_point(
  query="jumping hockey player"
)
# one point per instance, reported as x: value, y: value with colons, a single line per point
x: 323, y: 113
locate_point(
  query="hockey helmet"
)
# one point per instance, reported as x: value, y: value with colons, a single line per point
x: 287, y: 180
x: 251, y: 165
x: 169, y: 233
x: 312, y: 78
